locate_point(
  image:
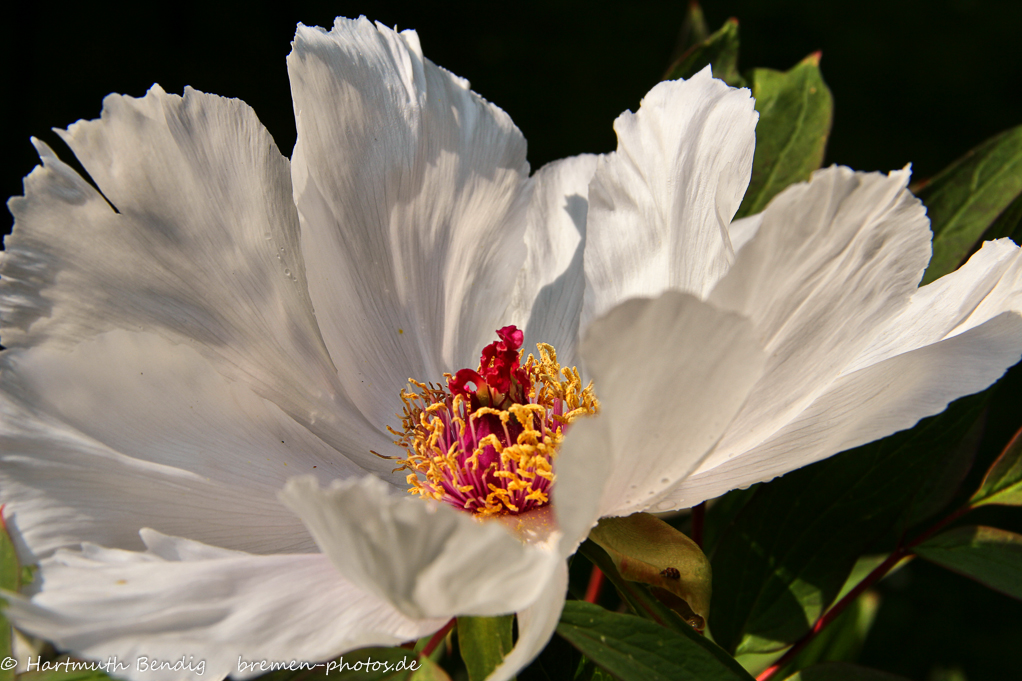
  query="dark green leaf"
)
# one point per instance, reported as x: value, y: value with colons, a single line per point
x: 632, y: 648
x: 719, y: 50
x: 587, y: 671
x: 943, y: 481
x: 721, y: 513
x: 967, y: 196
x: 484, y: 641
x: 842, y: 671
x: 693, y: 31
x: 843, y: 638
x: 1008, y: 223
x: 787, y: 554
x: 1003, y: 482
x: 10, y: 577
x: 989, y: 555
x: 795, y: 113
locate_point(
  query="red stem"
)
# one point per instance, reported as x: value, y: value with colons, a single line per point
x: 698, y: 519
x: 595, y: 585
x: 872, y: 578
x: 437, y: 637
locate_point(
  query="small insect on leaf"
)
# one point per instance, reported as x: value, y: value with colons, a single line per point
x: 670, y: 573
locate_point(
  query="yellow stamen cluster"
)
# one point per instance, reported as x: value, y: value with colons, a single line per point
x: 546, y: 371
x: 491, y: 461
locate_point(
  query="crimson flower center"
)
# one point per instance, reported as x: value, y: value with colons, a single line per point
x: 486, y: 444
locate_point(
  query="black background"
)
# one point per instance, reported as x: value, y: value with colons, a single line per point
x: 916, y: 81
x: 913, y: 81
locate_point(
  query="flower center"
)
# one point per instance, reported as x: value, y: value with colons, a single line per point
x: 486, y: 444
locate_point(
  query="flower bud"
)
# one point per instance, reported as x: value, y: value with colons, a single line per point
x: 646, y: 549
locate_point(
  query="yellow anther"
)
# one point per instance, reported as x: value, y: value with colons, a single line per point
x: 445, y: 451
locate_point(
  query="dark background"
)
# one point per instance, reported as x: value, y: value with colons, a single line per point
x: 913, y: 81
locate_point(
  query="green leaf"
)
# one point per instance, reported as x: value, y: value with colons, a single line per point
x: 484, y: 641
x: 842, y: 671
x: 944, y: 479
x: 987, y: 554
x: 863, y: 566
x: 631, y: 648
x: 637, y: 595
x: 795, y: 113
x: 843, y: 639
x: 789, y: 551
x: 964, y: 200
x: 719, y: 50
x: 1008, y: 223
x: 1003, y: 482
x: 10, y: 580
x: 429, y: 671
x: 721, y: 514
x: 693, y: 31
x: 646, y: 549
x: 587, y: 671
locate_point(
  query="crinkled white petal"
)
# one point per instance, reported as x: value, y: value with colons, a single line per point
x: 185, y: 602
x: 156, y: 401
x: 834, y: 260
x: 869, y: 404
x: 671, y: 373
x: 547, y: 299
x: 536, y: 624
x: 199, y: 243
x: 426, y: 559
x: 61, y: 488
x: 412, y: 192
x: 660, y: 206
x: 988, y: 284
x: 128, y: 430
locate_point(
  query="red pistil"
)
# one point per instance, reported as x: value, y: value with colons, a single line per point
x: 500, y: 380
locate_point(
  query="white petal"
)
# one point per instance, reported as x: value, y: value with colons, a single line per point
x: 183, y: 599
x: 871, y: 403
x: 200, y: 245
x: 62, y: 488
x: 1006, y: 295
x: 412, y: 192
x: 742, y: 230
x: 428, y: 560
x: 988, y: 284
x: 548, y: 294
x: 128, y: 430
x: 660, y: 206
x: 155, y: 401
x: 584, y: 466
x: 832, y: 262
x: 536, y: 624
x: 670, y: 373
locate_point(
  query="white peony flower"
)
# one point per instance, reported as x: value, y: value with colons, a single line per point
x: 203, y: 358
